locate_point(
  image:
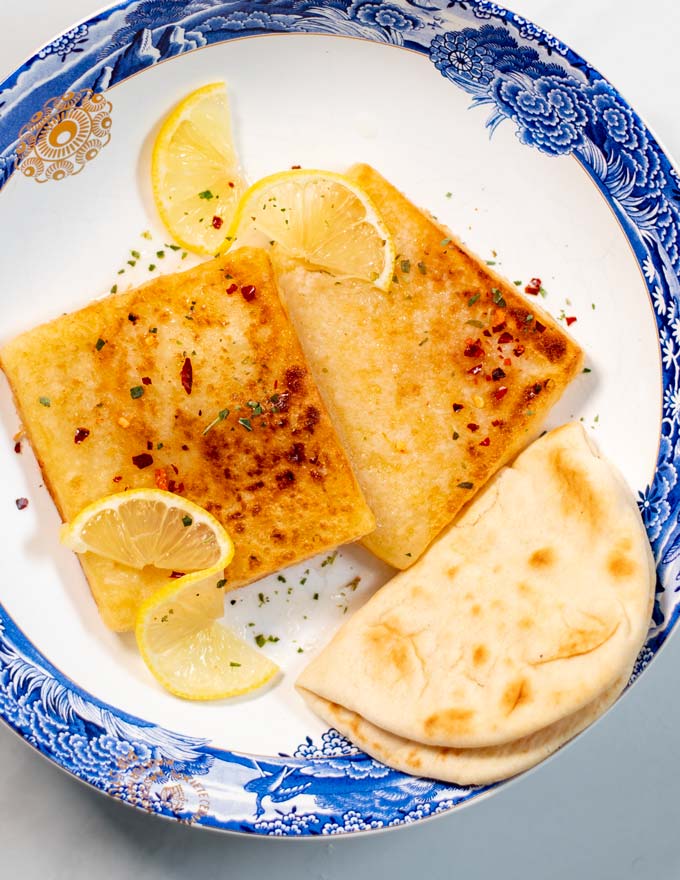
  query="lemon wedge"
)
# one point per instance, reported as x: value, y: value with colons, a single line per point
x: 195, y: 171
x: 185, y: 648
x: 143, y: 527
x: 319, y: 217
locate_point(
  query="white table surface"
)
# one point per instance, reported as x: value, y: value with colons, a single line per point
x: 606, y: 807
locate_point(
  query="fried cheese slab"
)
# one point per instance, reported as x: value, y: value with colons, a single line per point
x: 433, y: 385
x: 196, y: 383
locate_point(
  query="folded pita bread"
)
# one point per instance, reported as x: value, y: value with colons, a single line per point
x: 462, y: 766
x: 520, y: 623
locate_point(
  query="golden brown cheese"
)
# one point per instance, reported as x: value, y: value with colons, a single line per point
x: 194, y: 382
x: 433, y: 385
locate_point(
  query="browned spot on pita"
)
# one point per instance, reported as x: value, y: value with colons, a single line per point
x: 525, y: 623
x: 413, y: 760
x: 578, y: 497
x: 390, y: 645
x: 476, y: 610
x: 619, y: 565
x: 480, y: 655
x: 542, y: 558
x: 517, y: 693
x: 452, y: 572
x: 525, y: 589
x: 448, y: 722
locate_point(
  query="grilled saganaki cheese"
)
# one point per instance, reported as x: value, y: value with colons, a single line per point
x: 432, y: 385
x: 195, y: 383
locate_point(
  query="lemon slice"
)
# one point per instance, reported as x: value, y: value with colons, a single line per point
x: 319, y: 217
x: 195, y: 171
x: 150, y: 527
x: 188, y: 651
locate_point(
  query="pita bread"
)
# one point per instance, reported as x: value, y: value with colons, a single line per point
x: 531, y: 607
x: 462, y: 766
x: 433, y: 385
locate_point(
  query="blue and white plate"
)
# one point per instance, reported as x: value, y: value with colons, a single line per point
x: 499, y: 129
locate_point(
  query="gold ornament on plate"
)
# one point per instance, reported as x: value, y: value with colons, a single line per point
x: 59, y: 140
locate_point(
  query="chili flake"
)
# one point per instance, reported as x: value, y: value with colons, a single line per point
x: 117, y: 478
x: 161, y: 478
x: 518, y: 351
x: 248, y: 292
x: 497, y: 374
x: 146, y: 380
x: 533, y: 288
x: 17, y: 447
x: 475, y: 371
x: 80, y: 435
x: 540, y: 327
x: 232, y: 288
x: 500, y: 393
x: 471, y: 426
x: 485, y: 442
x: 187, y: 375
x: 504, y: 338
x: 217, y: 222
x: 21, y: 503
x: 457, y: 407
x: 570, y: 321
x: 143, y: 460
x: 474, y: 350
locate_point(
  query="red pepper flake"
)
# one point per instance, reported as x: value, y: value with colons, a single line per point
x: 80, y: 435
x: 507, y: 362
x: 295, y: 167
x: 176, y: 574
x: 504, y: 338
x: 161, y: 478
x: 540, y: 327
x: 231, y: 184
x: 497, y: 423
x: 500, y: 393
x: 185, y: 447
x: 146, y: 380
x: 533, y: 288
x: 498, y: 374
x: 472, y: 427
x: 217, y: 222
x: 21, y: 503
x: 474, y: 350
x: 143, y: 460
x: 518, y: 351
x: 475, y: 371
x: 17, y: 447
x: 149, y: 445
x: 187, y: 375
x: 570, y: 321
x: 487, y: 333
x: 498, y: 327
x: 485, y: 442
x: 457, y: 407
x: 232, y: 288
x: 248, y: 292
x: 117, y: 478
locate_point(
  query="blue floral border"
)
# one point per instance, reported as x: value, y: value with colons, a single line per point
x: 558, y: 105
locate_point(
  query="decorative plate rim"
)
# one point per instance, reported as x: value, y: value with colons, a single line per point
x: 506, y: 64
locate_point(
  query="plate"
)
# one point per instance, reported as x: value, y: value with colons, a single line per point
x: 508, y: 137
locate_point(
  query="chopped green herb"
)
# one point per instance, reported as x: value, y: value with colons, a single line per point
x: 475, y: 323
x: 490, y: 262
x: 528, y: 319
x: 159, y: 445
x: 531, y: 412
x: 329, y: 560
x: 114, y: 289
x: 592, y: 306
x: 152, y: 266
x: 543, y: 292
x: 422, y: 341
x: 146, y: 234
x: 445, y: 241
x: 300, y: 651
x: 474, y: 299
x: 132, y: 262
x: 456, y: 435
x: 596, y: 419
x: 395, y: 280
x: 408, y: 554
x: 206, y: 194
x: 354, y: 583
x: 186, y: 520
x: 517, y: 283
x: 465, y: 485
x: 422, y: 268
x: 587, y: 370
x: 233, y: 663
x: 100, y: 343
x: 221, y: 582
x: 136, y: 391
x: 405, y: 266
x: 153, y: 329
x: 135, y: 254
x: 315, y: 596
x: 281, y: 578
x: 45, y: 401
x: 498, y: 297
x: 246, y: 424
x: 260, y: 640
x: 256, y: 408
x: 262, y: 598
x: 121, y: 271
x: 221, y: 416
x: 173, y: 247
x: 448, y: 196
x: 160, y: 254
x: 184, y: 255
